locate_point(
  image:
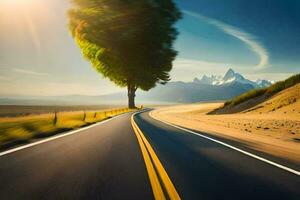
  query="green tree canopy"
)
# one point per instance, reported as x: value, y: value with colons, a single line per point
x: 128, y: 41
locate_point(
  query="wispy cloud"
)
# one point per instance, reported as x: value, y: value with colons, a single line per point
x: 23, y: 71
x: 196, y: 65
x: 247, y: 38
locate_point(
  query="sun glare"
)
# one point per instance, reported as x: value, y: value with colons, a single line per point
x: 24, y: 17
x: 17, y: 3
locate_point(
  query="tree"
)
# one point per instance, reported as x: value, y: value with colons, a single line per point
x: 128, y: 41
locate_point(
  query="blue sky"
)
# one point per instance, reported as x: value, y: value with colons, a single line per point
x: 258, y: 38
x: 272, y: 24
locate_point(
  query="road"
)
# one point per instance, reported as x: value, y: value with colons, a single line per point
x: 106, y: 162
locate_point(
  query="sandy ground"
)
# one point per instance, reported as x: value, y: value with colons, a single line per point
x: 276, y: 132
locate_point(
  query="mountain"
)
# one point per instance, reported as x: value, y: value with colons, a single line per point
x: 207, y: 88
x: 193, y: 92
x: 229, y: 78
x: 263, y: 83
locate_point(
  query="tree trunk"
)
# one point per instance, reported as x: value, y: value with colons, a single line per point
x: 131, y: 95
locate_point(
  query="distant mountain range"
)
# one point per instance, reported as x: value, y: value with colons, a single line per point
x: 229, y: 78
x: 206, y: 88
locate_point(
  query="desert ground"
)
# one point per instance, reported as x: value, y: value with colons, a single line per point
x: 272, y: 127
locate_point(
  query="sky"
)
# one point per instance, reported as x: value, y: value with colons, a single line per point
x: 259, y: 39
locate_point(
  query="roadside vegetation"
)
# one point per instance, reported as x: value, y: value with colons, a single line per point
x: 271, y: 90
x: 16, y: 130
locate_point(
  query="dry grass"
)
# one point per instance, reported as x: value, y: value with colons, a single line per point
x: 273, y: 89
x: 15, y: 130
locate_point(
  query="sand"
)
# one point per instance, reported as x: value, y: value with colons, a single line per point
x: 269, y: 130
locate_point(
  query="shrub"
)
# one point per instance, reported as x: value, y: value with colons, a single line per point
x: 246, y: 96
x: 281, y: 85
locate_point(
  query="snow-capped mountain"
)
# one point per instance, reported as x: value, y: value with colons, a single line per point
x: 264, y: 83
x: 206, y: 88
x: 229, y: 78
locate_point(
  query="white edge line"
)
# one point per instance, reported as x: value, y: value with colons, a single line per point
x: 231, y: 147
x: 56, y: 137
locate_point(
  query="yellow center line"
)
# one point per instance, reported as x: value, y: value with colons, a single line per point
x: 152, y: 160
x: 155, y: 184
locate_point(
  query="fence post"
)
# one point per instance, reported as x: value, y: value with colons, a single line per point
x: 55, y: 118
x: 84, y: 116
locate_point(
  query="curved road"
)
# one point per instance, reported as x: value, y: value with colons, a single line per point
x: 105, y: 162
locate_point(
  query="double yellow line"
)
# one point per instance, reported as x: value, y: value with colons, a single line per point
x: 159, y: 179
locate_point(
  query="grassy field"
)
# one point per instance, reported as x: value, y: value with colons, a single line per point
x: 273, y: 89
x: 15, y: 130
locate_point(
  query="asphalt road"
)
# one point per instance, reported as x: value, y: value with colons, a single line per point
x: 105, y: 162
